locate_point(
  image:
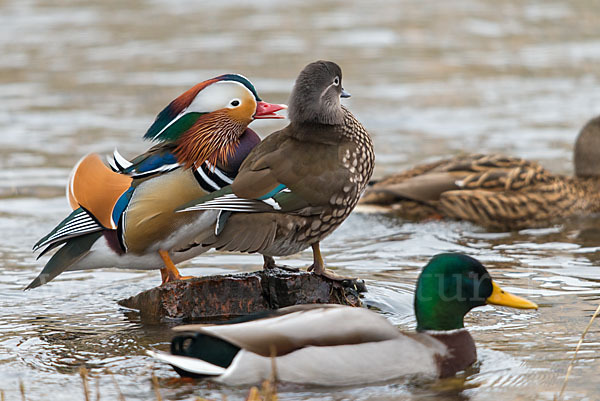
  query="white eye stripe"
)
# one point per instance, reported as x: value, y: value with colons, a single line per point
x: 336, y: 81
x: 219, y: 95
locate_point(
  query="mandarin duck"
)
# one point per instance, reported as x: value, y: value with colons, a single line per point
x: 495, y: 191
x: 125, y: 217
x: 300, y: 183
x: 334, y: 345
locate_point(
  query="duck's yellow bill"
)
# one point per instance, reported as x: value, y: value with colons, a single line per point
x: 504, y: 298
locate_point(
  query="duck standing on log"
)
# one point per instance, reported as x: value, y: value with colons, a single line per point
x: 125, y: 217
x: 300, y: 183
x: 495, y: 191
x: 333, y: 345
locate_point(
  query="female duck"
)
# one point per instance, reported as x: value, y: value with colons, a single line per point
x: 300, y: 183
x: 125, y: 218
x: 332, y: 345
x: 496, y: 191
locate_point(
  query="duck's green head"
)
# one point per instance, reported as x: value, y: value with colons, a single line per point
x: 450, y: 286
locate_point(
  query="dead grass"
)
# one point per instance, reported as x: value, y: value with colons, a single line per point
x: 570, y: 368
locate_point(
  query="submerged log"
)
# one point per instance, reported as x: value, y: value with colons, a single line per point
x: 223, y: 297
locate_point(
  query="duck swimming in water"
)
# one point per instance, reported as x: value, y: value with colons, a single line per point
x: 333, y: 345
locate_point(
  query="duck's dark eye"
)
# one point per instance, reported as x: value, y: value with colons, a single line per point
x: 235, y: 103
x: 336, y: 81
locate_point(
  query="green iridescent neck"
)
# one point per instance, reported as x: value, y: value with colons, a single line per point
x: 449, y: 287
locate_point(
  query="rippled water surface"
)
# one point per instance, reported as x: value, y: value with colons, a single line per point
x: 428, y: 79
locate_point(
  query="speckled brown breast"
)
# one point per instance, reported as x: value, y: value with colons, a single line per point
x: 327, y: 166
x: 356, y: 155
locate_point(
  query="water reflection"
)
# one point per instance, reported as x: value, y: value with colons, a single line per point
x: 428, y: 79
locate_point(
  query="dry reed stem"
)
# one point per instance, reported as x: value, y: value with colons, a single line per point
x: 98, y: 389
x: 2, y: 395
x: 270, y: 386
x: 156, y: 387
x: 570, y: 368
x: 119, y: 393
x: 84, y: 379
x: 22, y: 388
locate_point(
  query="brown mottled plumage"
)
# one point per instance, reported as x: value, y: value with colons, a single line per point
x: 495, y: 191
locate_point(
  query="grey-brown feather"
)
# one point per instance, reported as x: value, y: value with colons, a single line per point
x: 331, y: 345
x: 491, y: 190
x: 314, y: 99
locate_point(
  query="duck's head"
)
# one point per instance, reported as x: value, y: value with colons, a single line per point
x: 587, y: 150
x: 316, y: 95
x: 207, y: 120
x: 450, y: 286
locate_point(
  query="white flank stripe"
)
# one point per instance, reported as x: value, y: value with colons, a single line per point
x: 227, y: 208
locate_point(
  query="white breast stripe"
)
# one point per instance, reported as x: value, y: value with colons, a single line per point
x: 219, y: 173
x: 206, y: 179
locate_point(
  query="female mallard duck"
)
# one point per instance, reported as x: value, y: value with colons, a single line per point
x: 334, y: 345
x: 495, y: 191
x: 126, y: 217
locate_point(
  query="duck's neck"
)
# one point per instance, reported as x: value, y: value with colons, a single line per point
x: 245, y: 144
x: 429, y: 320
x: 461, y: 351
x: 588, y: 191
x: 212, y: 138
x: 439, y: 311
x: 314, y: 132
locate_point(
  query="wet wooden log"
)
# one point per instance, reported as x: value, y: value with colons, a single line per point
x: 223, y: 297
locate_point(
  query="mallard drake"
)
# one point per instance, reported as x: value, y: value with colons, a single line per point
x: 333, y: 345
x: 125, y: 217
x: 300, y: 183
x: 493, y: 190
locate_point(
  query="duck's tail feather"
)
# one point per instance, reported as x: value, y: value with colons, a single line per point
x: 75, y: 249
x: 185, y: 364
x: 78, y: 223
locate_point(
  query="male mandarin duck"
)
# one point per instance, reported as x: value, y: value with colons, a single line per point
x: 125, y: 217
x: 495, y: 191
x: 333, y: 345
x: 300, y: 183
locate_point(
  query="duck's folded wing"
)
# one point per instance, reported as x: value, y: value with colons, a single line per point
x: 74, y: 250
x: 193, y: 365
x: 472, y: 172
x: 294, y: 328
x: 157, y: 160
x: 510, y: 209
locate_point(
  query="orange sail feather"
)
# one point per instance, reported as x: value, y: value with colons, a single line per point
x: 96, y: 188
